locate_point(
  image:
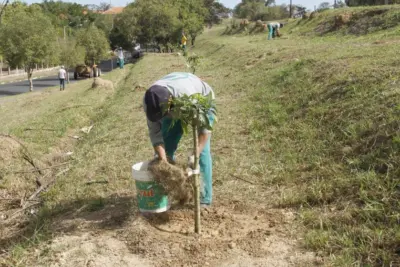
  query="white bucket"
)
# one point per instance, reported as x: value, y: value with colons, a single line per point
x: 151, y: 196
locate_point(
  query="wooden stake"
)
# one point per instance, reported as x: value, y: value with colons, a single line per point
x: 197, y: 225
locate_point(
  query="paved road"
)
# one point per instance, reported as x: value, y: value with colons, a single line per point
x: 16, y: 88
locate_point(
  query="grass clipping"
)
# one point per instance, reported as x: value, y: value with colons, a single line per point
x: 102, y: 84
x: 173, y: 179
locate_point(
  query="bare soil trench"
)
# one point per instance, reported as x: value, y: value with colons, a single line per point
x: 234, y: 235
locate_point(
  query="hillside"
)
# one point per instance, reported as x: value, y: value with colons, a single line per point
x: 306, y: 155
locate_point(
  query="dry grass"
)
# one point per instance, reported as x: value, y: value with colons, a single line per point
x: 173, y: 179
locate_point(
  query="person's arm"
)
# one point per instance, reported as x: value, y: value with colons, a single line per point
x: 203, y: 139
x: 160, y: 151
x: 157, y: 139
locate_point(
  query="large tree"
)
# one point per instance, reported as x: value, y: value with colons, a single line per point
x: 261, y: 10
x: 161, y: 22
x: 95, y: 43
x: 27, y: 38
x: 71, y: 54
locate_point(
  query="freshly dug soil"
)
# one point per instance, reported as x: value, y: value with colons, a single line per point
x: 173, y: 179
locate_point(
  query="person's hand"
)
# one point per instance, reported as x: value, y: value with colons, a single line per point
x: 191, y: 161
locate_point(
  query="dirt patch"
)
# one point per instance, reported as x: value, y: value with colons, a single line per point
x: 313, y: 15
x: 173, y: 179
x: 229, y: 238
x: 342, y: 19
x: 99, y: 83
x: 89, y: 250
x: 234, y: 234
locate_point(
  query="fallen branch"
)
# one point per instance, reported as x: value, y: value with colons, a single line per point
x: 244, y: 180
x: 20, y: 210
x: 75, y: 106
x: 40, y: 129
x: 16, y: 199
x: 96, y: 182
x: 44, y: 187
x: 42, y: 169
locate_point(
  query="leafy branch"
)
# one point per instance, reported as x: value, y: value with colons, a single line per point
x: 193, y: 111
x: 194, y: 62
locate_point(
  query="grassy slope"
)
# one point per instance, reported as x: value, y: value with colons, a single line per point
x: 313, y: 122
x: 327, y: 111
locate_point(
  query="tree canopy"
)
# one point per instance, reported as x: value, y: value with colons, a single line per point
x: 161, y: 22
x: 261, y: 10
x: 95, y: 42
x: 27, y: 38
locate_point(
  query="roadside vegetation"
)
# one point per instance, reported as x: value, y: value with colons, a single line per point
x: 328, y: 125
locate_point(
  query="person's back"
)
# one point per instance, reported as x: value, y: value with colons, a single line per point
x: 62, y: 74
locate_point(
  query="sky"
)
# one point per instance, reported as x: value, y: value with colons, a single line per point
x: 229, y: 3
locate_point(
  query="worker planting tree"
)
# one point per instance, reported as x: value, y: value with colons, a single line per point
x: 273, y: 30
x: 172, y: 104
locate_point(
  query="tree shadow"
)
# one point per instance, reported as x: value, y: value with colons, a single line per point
x: 108, y: 213
x: 8, y: 93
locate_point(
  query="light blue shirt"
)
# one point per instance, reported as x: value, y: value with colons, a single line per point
x: 178, y: 84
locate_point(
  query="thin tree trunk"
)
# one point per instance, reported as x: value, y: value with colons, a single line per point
x: 30, y: 71
x: 197, y: 224
x: 67, y: 74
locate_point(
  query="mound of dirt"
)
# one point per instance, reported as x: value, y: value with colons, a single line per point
x: 259, y: 23
x: 9, y: 149
x: 342, y: 19
x: 314, y: 15
x: 102, y: 84
x: 173, y: 179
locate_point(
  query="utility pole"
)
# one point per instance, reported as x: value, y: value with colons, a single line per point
x: 290, y: 9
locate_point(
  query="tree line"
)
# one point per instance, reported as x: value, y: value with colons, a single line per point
x: 56, y: 32
x: 52, y: 33
x: 161, y: 22
x: 265, y: 10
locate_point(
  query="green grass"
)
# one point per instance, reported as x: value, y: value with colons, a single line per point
x: 327, y: 111
x: 312, y: 120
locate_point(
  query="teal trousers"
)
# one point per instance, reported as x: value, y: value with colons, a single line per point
x: 271, y: 32
x: 172, y: 135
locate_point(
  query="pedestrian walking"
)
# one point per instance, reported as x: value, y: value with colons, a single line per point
x: 62, y: 75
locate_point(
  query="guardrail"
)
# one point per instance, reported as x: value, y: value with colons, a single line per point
x: 7, y: 73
